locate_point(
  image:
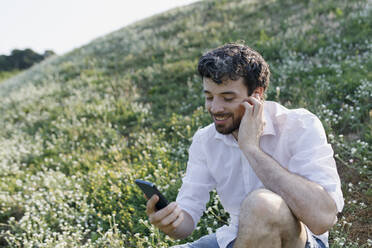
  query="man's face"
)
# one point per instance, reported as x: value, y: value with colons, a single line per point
x: 223, y: 103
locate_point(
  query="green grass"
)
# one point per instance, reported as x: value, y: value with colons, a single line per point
x: 78, y: 129
x: 4, y: 75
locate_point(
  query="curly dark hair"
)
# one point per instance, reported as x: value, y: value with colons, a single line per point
x: 232, y: 61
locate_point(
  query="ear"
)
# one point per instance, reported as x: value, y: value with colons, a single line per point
x: 260, y: 91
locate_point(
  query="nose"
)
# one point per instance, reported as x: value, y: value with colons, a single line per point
x: 216, y: 106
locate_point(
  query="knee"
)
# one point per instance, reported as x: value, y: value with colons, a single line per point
x: 265, y: 206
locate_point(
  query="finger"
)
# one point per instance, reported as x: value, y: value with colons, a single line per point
x: 257, y: 96
x: 150, y: 205
x: 178, y: 221
x: 144, y: 195
x: 257, y: 104
x: 161, y: 214
x: 254, y: 100
x: 248, y: 108
x: 260, y: 113
x: 171, y: 217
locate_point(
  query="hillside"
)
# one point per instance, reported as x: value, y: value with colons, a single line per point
x: 77, y: 130
x: 7, y: 74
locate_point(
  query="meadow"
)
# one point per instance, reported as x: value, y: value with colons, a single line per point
x: 76, y: 130
x: 7, y: 74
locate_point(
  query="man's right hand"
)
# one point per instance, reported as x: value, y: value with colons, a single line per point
x: 166, y: 219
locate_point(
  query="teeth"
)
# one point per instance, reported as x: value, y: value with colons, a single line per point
x: 220, y: 118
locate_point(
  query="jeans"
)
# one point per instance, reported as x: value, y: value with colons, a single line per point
x: 210, y: 241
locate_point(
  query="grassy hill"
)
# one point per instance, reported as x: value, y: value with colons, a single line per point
x: 78, y: 129
x: 7, y: 74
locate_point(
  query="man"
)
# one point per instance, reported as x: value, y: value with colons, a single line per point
x: 272, y: 167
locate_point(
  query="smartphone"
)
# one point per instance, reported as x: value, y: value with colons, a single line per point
x: 150, y: 189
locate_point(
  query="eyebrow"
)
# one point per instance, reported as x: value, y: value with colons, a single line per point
x: 222, y: 93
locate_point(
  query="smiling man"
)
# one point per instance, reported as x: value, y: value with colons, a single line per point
x: 272, y: 167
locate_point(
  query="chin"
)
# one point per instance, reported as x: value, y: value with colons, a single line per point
x: 223, y: 130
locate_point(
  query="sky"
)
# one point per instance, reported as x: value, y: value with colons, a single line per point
x: 62, y: 25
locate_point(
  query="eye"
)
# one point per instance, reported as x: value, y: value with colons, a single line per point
x: 209, y: 98
x: 228, y: 99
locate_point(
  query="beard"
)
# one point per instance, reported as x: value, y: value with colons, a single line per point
x: 228, y: 129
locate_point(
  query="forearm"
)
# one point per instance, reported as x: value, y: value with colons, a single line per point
x: 184, y: 229
x: 309, y: 202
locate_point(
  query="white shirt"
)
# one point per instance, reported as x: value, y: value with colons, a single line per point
x: 294, y: 138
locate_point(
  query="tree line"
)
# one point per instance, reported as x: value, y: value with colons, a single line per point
x: 22, y: 59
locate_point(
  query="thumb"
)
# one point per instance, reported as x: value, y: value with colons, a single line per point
x: 150, y: 206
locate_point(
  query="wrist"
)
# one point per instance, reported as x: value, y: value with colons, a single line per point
x: 249, y: 149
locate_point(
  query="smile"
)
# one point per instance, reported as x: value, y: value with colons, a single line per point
x: 221, y: 118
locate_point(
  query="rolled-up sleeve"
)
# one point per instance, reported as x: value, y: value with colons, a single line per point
x: 197, y: 183
x: 312, y: 157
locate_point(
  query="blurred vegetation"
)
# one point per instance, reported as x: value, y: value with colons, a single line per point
x: 77, y: 130
x: 7, y: 74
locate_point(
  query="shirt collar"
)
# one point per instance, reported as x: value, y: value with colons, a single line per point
x: 268, y: 129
